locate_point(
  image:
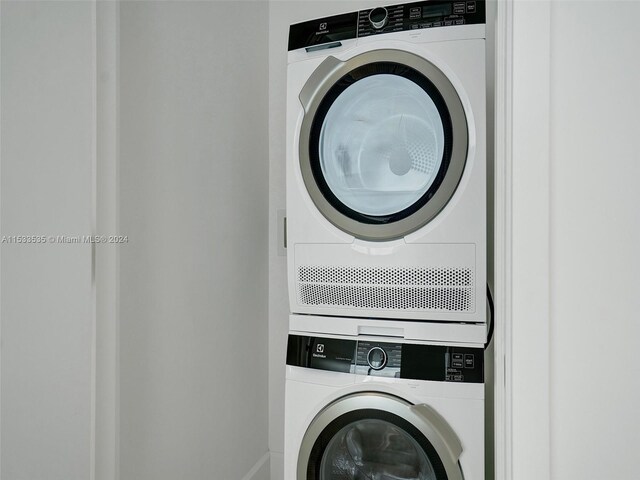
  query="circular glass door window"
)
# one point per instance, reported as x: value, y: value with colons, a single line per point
x: 381, y: 145
x: 374, y: 449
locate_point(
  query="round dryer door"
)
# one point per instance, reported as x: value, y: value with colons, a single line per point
x: 374, y: 435
x: 383, y: 142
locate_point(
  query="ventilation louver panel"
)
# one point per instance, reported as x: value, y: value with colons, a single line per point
x: 385, y: 288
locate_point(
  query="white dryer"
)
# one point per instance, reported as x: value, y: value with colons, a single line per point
x: 381, y: 407
x: 386, y: 163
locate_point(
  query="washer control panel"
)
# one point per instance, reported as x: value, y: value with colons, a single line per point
x: 414, y: 16
x: 394, y: 18
x: 387, y: 359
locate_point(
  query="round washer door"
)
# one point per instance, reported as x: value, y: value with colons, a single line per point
x: 374, y: 435
x: 383, y: 142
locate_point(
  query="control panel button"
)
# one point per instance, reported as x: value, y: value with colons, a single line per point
x: 468, y: 360
x: 471, y: 7
x: 459, y: 8
x: 415, y: 12
x: 378, y: 17
x: 377, y: 358
x: 457, y: 360
x: 460, y: 21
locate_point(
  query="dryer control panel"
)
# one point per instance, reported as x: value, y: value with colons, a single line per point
x: 441, y: 363
x: 390, y: 19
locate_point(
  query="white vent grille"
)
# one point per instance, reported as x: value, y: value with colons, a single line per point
x: 443, y: 289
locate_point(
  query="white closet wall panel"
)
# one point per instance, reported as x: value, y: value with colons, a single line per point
x: 595, y: 236
x: 48, y: 314
x: 193, y: 277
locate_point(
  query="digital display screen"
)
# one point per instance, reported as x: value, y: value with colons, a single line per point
x: 436, y: 10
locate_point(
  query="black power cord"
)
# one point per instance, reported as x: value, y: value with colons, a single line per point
x: 491, y: 317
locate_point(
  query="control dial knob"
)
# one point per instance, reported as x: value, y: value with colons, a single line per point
x: 377, y: 358
x: 378, y: 17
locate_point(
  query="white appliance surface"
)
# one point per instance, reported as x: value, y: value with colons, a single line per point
x: 435, y: 271
x: 449, y: 414
x: 471, y: 333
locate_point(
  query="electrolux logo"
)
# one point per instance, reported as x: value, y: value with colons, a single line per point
x: 319, y: 353
x: 323, y: 29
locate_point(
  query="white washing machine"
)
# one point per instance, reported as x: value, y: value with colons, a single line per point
x: 383, y: 408
x: 386, y: 163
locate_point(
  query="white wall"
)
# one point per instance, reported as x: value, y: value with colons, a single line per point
x: 576, y: 276
x: 595, y: 235
x: 193, y: 201
x: 107, y: 256
x: 48, y: 311
x: 163, y: 375
x: 530, y: 250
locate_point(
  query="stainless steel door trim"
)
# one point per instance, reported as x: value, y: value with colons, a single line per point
x: 318, y: 85
x: 316, y: 88
x: 423, y: 417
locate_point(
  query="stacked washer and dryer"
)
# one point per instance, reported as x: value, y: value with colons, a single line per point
x: 386, y: 244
